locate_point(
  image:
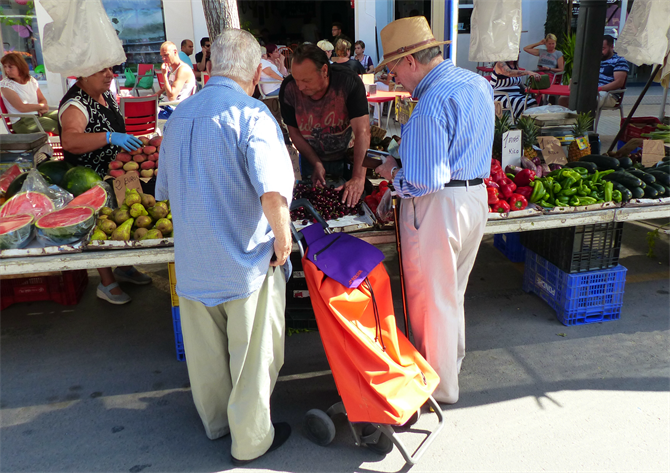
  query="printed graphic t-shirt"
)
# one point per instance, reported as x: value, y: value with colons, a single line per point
x: 326, y: 123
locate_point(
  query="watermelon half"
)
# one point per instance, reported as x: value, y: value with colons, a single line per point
x: 95, y: 197
x: 16, y: 231
x: 66, y: 225
x: 8, y: 176
x: 33, y: 203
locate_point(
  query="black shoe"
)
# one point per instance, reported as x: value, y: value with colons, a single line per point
x: 282, y: 433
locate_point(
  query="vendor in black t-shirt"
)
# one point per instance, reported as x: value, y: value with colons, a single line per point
x: 203, y: 62
x: 323, y: 106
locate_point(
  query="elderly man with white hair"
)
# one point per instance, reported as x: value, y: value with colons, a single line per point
x: 226, y: 171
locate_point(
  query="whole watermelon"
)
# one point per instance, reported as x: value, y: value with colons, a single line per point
x: 55, y: 170
x: 79, y: 179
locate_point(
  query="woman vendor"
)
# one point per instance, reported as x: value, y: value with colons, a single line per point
x: 92, y: 133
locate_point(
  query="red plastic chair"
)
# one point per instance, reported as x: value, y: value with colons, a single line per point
x: 140, y: 114
x: 54, y: 140
x: 205, y: 78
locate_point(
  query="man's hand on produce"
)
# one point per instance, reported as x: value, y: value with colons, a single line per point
x: 385, y: 169
x: 319, y: 176
x: 353, y: 189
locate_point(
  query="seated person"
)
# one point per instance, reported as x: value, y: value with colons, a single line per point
x: 551, y: 60
x: 327, y: 47
x: 179, y: 78
x: 343, y: 57
x: 22, y: 94
x: 185, y: 56
x: 202, y: 59
x: 613, y: 74
x: 364, y: 59
x: 506, y: 77
x: 274, y: 69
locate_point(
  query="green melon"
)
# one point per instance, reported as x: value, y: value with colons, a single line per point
x: 16, y: 231
x: 79, y: 179
x: 55, y: 170
x: 66, y: 225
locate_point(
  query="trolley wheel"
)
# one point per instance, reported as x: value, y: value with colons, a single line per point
x: 384, y: 444
x: 319, y: 428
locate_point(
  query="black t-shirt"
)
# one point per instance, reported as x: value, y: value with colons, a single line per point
x: 354, y: 65
x: 198, y: 58
x: 326, y: 123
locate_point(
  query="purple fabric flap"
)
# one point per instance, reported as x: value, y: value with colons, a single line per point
x: 344, y: 258
x: 312, y: 233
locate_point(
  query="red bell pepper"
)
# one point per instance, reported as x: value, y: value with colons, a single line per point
x: 495, y: 163
x: 491, y: 183
x: 524, y: 177
x: 507, y: 187
x: 497, y: 175
x: 501, y: 207
x: 518, y: 202
x: 525, y: 191
x: 493, y: 195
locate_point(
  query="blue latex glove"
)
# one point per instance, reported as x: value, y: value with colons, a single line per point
x: 127, y: 142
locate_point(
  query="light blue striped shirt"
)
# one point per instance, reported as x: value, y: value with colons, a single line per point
x: 222, y: 150
x: 449, y: 134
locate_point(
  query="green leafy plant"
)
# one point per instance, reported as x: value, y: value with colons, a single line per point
x: 557, y: 17
x: 567, y: 47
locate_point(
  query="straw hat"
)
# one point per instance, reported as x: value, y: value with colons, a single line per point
x: 406, y: 36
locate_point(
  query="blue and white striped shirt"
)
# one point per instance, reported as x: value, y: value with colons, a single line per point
x: 449, y: 134
x: 222, y: 151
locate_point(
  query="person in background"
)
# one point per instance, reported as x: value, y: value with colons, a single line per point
x: 327, y: 47
x: 343, y: 57
x: 444, y: 207
x: 22, y: 94
x: 178, y: 77
x: 273, y: 69
x: 550, y: 59
x: 310, y: 32
x: 323, y: 106
x: 613, y: 74
x: 92, y: 132
x: 222, y: 150
x: 364, y: 59
x: 508, y: 88
x: 185, y: 56
x: 202, y: 61
x: 336, y: 31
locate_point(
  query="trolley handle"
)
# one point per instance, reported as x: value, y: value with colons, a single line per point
x: 297, y: 236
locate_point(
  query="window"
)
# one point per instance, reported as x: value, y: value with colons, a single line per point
x: 20, y: 33
x: 141, y: 28
x: 465, y: 8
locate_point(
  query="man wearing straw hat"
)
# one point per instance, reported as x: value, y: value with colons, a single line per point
x: 445, y: 153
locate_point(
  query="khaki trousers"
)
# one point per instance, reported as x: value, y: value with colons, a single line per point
x: 234, y: 352
x: 440, y: 235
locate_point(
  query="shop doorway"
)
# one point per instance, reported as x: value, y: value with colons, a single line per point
x: 407, y: 8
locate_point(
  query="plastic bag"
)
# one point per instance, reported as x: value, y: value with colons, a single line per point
x: 17, y: 231
x: 385, y: 207
x: 36, y: 183
x: 81, y: 40
x: 644, y: 39
x: 65, y: 226
x: 130, y: 78
x: 495, y: 30
x: 147, y: 81
x: 546, y: 109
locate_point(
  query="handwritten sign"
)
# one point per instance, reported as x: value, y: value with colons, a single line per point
x: 552, y: 151
x: 511, y: 148
x: 652, y: 152
x: 582, y: 142
x: 130, y: 180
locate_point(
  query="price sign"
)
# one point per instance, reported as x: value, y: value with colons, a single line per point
x: 582, y: 142
x: 130, y: 180
x: 511, y: 148
x: 552, y: 151
x: 652, y: 152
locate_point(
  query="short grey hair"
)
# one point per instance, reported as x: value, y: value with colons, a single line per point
x: 426, y: 55
x: 235, y: 54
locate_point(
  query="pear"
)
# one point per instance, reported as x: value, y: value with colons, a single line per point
x: 107, y: 226
x: 132, y: 197
x: 122, y: 232
x: 158, y: 211
x: 148, y: 201
x: 164, y: 225
x: 143, y: 221
x: 98, y: 235
x: 152, y: 235
x: 137, y: 210
x: 139, y: 233
x: 121, y: 216
x: 106, y: 211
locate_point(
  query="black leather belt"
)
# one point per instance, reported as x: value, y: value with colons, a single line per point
x: 471, y: 182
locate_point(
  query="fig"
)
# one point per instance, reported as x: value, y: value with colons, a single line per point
x: 117, y: 172
x: 149, y: 150
x: 123, y: 157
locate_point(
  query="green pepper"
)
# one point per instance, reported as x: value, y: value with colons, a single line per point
x: 538, y: 192
x: 616, y: 196
x: 568, y: 182
x: 563, y: 200
x: 605, y: 173
x: 557, y: 188
x: 609, y: 189
x: 574, y: 201
x: 510, y: 175
x: 568, y: 192
x: 587, y: 201
x: 596, y: 195
x: 583, y: 190
x: 554, y: 173
x: 596, y: 177
x: 544, y: 203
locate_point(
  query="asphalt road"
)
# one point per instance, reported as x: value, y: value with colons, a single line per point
x: 98, y: 388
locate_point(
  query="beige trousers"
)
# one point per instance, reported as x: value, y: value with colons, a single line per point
x: 440, y: 235
x: 234, y: 352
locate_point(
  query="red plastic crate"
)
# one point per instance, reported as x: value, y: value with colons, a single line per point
x: 638, y: 126
x: 66, y: 288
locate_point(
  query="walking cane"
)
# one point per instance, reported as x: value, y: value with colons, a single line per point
x: 396, y: 214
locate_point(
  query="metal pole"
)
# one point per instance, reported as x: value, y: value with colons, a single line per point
x: 588, y: 54
x: 396, y: 216
x: 661, y: 112
x: 632, y: 110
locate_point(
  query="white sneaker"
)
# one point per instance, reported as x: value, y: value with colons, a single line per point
x: 104, y: 292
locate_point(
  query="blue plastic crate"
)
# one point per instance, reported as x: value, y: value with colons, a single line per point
x: 178, y: 339
x: 578, y: 299
x: 510, y: 245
